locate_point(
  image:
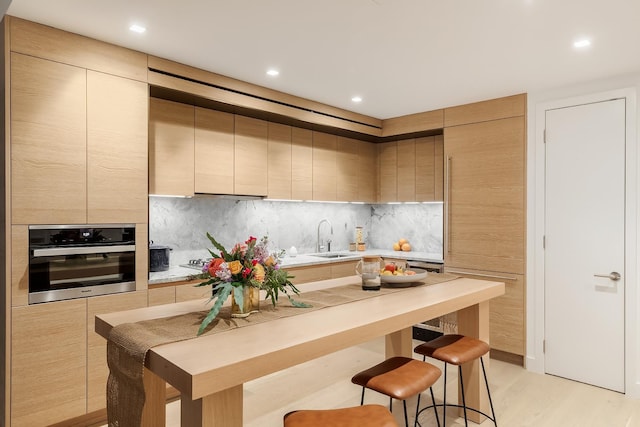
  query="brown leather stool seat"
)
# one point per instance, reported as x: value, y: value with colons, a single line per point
x: 358, y: 416
x: 399, y: 378
x: 457, y: 350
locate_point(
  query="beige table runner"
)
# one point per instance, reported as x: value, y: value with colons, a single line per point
x: 128, y: 343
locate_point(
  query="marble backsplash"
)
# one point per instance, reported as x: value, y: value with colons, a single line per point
x: 182, y: 223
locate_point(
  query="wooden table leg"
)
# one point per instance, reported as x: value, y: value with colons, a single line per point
x: 222, y: 409
x: 155, y: 390
x: 474, y: 322
x: 399, y: 343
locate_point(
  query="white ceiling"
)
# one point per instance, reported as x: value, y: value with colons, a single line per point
x: 400, y: 56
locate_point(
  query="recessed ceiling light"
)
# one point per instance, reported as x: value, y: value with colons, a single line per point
x: 356, y: 99
x: 582, y: 43
x: 137, y: 28
x: 273, y: 72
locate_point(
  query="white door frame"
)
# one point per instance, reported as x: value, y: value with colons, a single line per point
x: 536, y: 227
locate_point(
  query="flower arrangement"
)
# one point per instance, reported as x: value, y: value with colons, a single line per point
x: 248, y: 264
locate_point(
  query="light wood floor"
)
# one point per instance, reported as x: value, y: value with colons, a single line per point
x: 521, y: 398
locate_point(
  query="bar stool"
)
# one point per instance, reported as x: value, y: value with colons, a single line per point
x: 399, y: 378
x: 457, y: 350
x: 358, y: 416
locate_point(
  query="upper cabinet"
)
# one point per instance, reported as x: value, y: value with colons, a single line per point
x: 214, y: 151
x: 250, y: 156
x: 171, y: 148
x: 78, y: 145
x: 301, y: 164
x: 324, y: 166
x: 48, y: 142
x: 346, y: 168
x: 429, y: 168
x: 117, y: 166
x: 279, y: 168
x: 367, y: 171
x: 411, y: 170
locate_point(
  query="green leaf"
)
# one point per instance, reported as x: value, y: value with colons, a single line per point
x: 238, y: 297
x: 223, y: 293
x: 218, y: 246
x: 299, y: 304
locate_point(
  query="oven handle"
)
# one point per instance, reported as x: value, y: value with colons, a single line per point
x: 83, y: 250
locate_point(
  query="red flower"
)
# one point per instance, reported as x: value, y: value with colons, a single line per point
x: 214, y: 265
x: 251, y: 239
x: 246, y: 272
x: 254, y: 262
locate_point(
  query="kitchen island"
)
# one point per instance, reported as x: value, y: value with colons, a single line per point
x: 210, y: 371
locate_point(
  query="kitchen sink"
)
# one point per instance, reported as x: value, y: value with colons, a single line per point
x: 332, y: 255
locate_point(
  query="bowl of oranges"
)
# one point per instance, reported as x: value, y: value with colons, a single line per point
x: 398, y: 274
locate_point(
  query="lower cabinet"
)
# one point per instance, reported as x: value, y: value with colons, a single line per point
x: 48, y: 362
x: 506, y: 313
x: 97, y: 370
x: 314, y: 273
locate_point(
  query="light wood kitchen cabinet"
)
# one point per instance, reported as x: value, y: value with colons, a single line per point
x: 279, y: 165
x: 367, y: 170
x: 117, y: 165
x: 48, y: 142
x: 485, y: 199
x: 406, y: 164
x: 214, y: 151
x: 301, y: 164
x: 388, y: 172
x: 171, y: 148
x: 324, y: 166
x: 312, y: 273
x: 506, y: 313
x: 160, y: 296
x: 97, y: 369
x: 429, y: 168
x: 251, y: 156
x: 188, y: 291
x: 48, y: 363
x: 347, y: 172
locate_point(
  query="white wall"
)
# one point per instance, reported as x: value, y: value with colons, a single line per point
x: 628, y: 86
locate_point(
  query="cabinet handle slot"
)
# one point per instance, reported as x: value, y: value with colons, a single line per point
x: 489, y: 276
x: 447, y: 207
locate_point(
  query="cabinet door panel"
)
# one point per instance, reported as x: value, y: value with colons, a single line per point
x: 367, y: 171
x: 388, y: 160
x: 171, y: 148
x: 506, y: 312
x: 48, y: 142
x: 117, y: 146
x: 347, y: 172
x: 279, y: 161
x: 406, y: 164
x: 98, y: 371
x: 425, y: 169
x: 439, y: 167
x: 214, y: 151
x: 484, y: 215
x: 251, y: 154
x: 48, y: 362
x: 324, y: 166
x: 301, y: 164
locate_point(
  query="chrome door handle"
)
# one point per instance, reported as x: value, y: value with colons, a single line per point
x: 614, y: 275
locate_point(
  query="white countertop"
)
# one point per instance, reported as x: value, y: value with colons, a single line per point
x: 176, y: 274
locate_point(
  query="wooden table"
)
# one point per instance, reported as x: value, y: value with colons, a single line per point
x: 210, y: 371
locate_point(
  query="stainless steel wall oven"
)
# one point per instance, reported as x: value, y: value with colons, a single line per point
x: 76, y: 261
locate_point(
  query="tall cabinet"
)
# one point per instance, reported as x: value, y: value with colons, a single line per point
x: 484, y: 211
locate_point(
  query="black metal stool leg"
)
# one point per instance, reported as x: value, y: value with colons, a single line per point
x: 444, y: 403
x: 415, y: 423
x: 362, y: 398
x: 406, y: 418
x: 464, y: 403
x: 493, y: 414
x: 433, y: 402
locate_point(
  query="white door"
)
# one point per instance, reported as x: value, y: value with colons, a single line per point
x: 584, y: 241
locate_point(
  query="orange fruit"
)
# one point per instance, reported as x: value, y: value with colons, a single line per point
x: 406, y: 247
x: 396, y: 246
x: 402, y: 242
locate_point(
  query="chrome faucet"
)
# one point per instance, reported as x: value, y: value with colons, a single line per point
x: 320, y: 246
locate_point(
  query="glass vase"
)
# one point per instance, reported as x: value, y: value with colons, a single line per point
x: 251, y: 297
